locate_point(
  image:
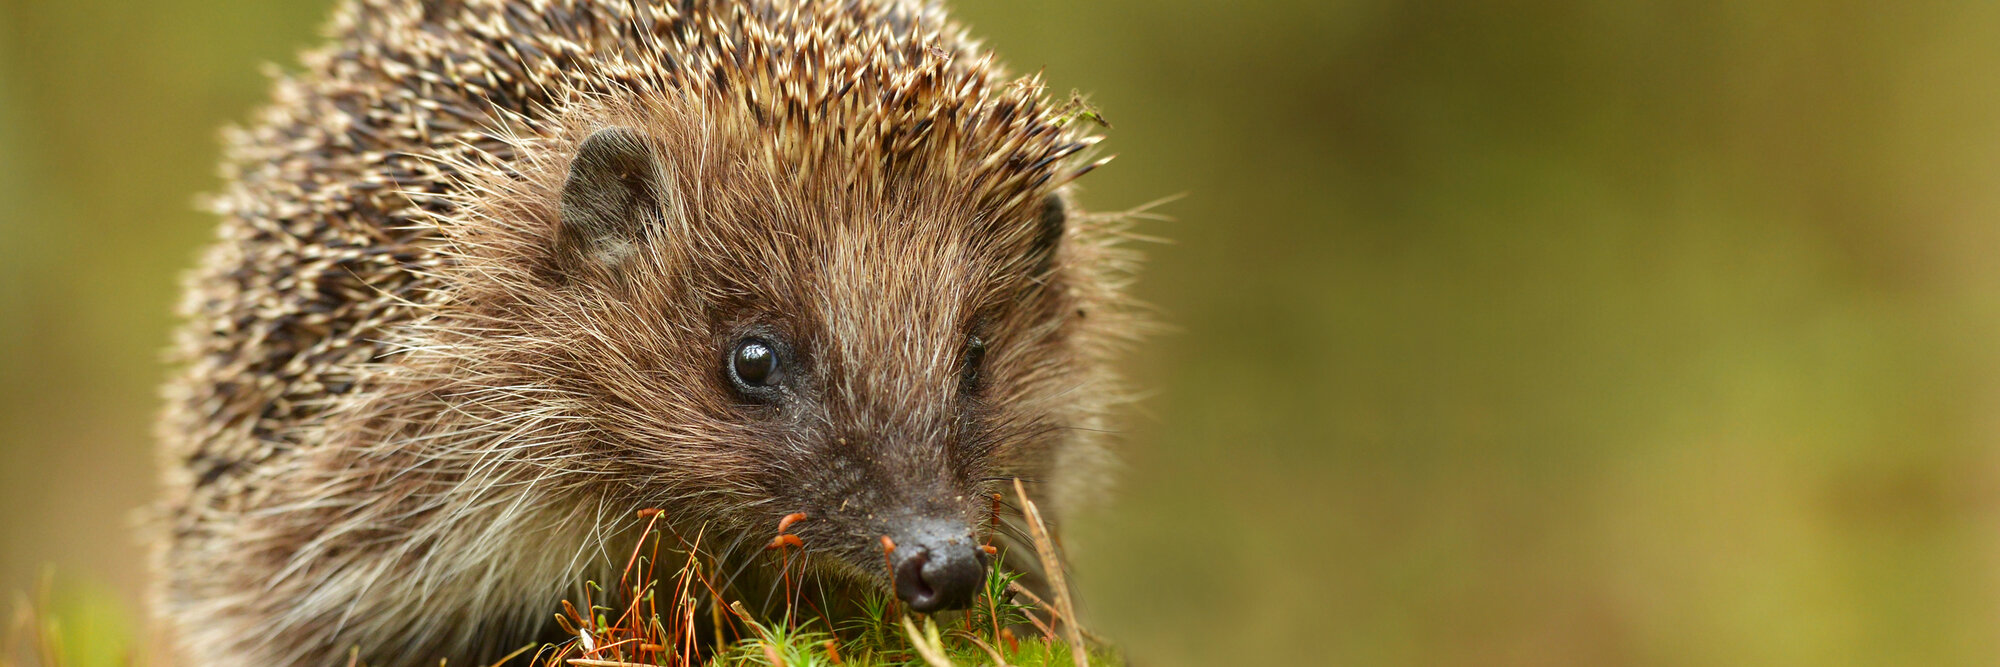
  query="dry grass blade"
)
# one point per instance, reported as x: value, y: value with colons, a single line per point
x: 1044, y: 604
x: 1045, y: 549
x: 998, y: 660
x: 927, y: 643
x: 497, y: 663
x: 1039, y: 604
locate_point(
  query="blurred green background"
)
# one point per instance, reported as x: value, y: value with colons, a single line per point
x: 1509, y: 332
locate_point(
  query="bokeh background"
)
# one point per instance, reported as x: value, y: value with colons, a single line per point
x: 1633, y: 333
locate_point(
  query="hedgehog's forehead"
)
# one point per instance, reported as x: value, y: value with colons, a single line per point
x: 914, y: 253
x: 882, y: 292
x: 916, y: 208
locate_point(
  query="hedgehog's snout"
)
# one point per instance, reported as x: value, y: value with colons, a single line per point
x: 938, y: 566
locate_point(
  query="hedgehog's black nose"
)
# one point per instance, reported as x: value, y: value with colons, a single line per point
x: 938, y: 567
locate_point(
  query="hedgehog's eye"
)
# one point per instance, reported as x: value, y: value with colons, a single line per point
x: 975, y: 359
x: 754, y: 364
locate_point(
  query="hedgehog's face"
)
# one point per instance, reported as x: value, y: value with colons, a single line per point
x: 882, y: 364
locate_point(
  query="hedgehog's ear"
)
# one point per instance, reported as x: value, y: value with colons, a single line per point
x: 612, y: 194
x: 1050, y: 221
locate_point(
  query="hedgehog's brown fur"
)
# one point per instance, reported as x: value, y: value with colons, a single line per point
x: 407, y: 423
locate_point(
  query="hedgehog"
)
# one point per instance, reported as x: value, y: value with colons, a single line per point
x: 493, y: 275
